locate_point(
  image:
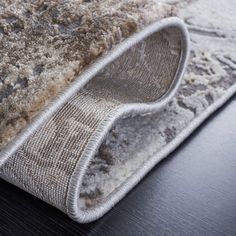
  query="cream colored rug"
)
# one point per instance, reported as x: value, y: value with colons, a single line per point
x: 92, y: 95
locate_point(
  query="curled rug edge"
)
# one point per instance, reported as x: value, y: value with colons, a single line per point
x: 28, y: 144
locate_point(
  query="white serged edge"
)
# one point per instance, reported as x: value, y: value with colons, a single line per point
x: 73, y: 201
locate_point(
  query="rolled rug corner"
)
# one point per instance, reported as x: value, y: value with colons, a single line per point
x: 83, y: 88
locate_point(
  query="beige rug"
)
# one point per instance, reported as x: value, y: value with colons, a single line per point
x: 91, y: 96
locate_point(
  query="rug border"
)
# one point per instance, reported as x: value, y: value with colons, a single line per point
x: 73, y: 209
x: 73, y: 203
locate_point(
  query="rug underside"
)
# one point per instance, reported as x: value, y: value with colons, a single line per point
x: 47, y: 164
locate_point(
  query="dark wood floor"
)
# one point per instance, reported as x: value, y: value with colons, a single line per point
x: 192, y: 192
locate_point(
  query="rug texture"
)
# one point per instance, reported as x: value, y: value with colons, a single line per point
x: 91, y: 96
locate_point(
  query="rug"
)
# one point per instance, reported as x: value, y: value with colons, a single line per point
x: 92, y: 95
